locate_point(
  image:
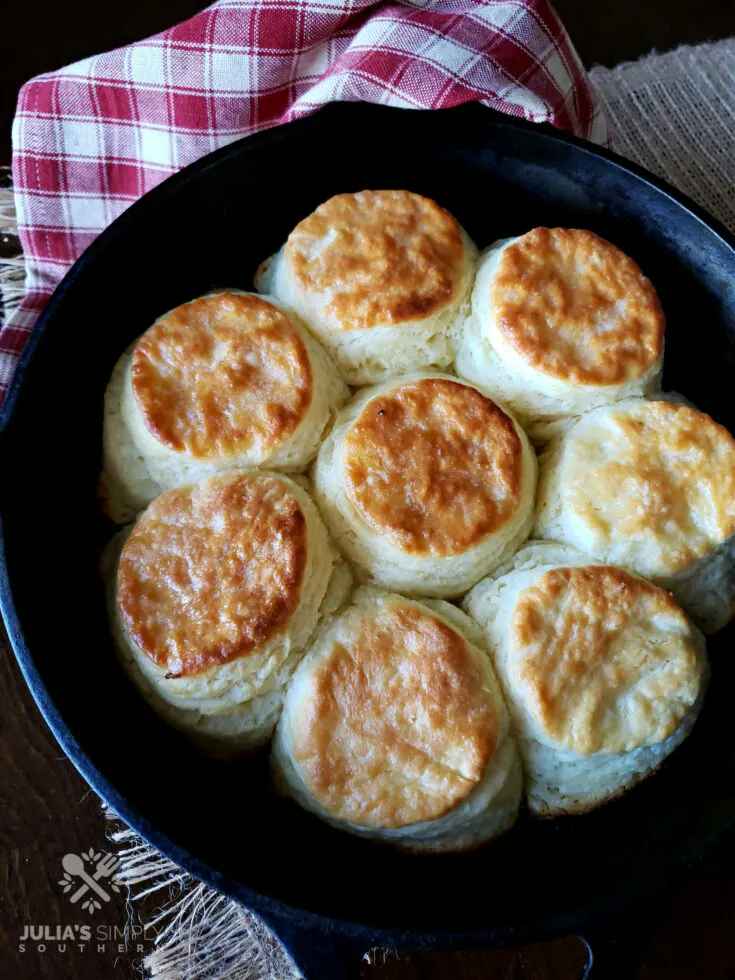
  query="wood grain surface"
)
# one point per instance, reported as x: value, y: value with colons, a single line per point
x: 46, y: 809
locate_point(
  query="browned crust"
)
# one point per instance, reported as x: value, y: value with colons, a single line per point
x: 396, y: 725
x: 435, y: 466
x: 583, y: 640
x: 576, y: 308
x: 220, y: 375
x: 665, y: 481
x: 390, y: 257
x: 211, y: 572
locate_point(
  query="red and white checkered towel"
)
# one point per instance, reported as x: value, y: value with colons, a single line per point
x: 91, y: 138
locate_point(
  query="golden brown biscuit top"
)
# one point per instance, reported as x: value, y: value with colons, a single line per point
x: 211, y: 572
x: 396, y: 724
x: 377, y: 258
x: 605, y: 661
x: 221, y: 375
x: 653, y: 478
x: 434, y: 466
x: 576, y: 308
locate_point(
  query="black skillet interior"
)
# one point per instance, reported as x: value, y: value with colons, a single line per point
x: 211, y: 226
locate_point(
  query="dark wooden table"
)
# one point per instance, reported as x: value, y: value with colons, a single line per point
x: 46, y: 809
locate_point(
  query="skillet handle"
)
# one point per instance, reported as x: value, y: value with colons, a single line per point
x: 319, y: 954
x: 616, y: 954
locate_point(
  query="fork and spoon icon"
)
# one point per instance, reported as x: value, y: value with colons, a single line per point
x: 73, y: 864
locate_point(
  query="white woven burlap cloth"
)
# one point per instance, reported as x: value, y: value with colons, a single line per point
x: 675, y: 115
x: 672, y: 113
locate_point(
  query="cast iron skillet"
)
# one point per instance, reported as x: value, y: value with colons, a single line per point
x: 328, y: 895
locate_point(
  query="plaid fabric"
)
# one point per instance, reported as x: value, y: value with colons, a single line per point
x: 89, y: 139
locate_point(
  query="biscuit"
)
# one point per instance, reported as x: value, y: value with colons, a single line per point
x: 561, y: 321
x: 227, y: 380
x: 216, y: 593
x: 648, y: 485
x: 603, y: 673
x: 394, y: 728
x: 426, y: 484
x: 380, y: 278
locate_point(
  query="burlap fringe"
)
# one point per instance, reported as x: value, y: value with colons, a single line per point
x: 199, y: 934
